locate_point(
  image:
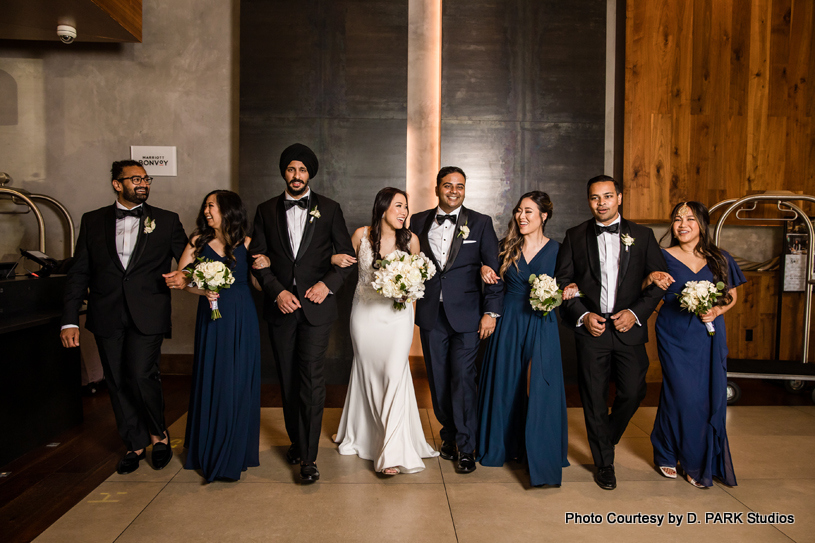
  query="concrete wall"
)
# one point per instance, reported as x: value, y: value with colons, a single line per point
x: 80, y: 107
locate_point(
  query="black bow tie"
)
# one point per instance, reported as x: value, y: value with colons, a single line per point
x: 301, y: 203
x: 441, y: 218
x: 613, y: 229
x: 135, y: 212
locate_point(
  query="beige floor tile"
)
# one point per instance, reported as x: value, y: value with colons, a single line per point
x: 644, y: 419
x: 776, y: 457
x: 769, y: 421
x: 103, y: 514
x: 808, y: 409
x: 284, y: 512
x: 507, y: 512
x: 273, y: 428
x: 786, y: 496
x: 334, y: 469
x: 426, y: 426
x: 146, y: 473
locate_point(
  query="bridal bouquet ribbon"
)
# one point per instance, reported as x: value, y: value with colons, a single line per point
x: 545, y: 294
x: 401, y: 276
x: 213, y: 276
x: 699, y: 297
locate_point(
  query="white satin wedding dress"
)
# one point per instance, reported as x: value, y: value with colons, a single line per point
x: 380, y: 420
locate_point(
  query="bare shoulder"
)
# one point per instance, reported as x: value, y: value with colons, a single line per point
x: 247, y: 241
x: 415, y: 246
x: 359, y: 233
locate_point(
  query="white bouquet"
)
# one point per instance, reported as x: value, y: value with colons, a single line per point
x: 545, y: 294
x: 213, y: 276
x: 401, y: 276
x: 699, y: 297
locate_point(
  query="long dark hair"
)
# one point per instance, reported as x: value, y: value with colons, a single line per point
x: 512, y: 245
x: 716, y: 262
x: 382, y: 203
x: 234, y: 223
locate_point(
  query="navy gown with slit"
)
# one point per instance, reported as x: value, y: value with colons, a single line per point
x: 512, y: 425
x: 690, y: 424
x: 223, y: 423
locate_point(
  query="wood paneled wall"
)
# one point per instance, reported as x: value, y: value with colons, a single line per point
x: 719, y: 101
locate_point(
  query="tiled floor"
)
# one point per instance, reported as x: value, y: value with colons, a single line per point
x: 772, y: 450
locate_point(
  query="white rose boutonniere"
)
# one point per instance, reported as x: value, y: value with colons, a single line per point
x: 464, y: 231
x: 627, y: 240
x: 315, y: 214
x: 149, y: 225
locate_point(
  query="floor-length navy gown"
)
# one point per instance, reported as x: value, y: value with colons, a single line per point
x: 510, y: 424
x: 690, y: 424
x: 223, y: 423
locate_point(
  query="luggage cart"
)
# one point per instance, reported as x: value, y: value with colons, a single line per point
x: 795, y: 374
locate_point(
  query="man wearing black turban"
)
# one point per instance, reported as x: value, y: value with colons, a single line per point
x: 299, y: 231
x: 301, y: 153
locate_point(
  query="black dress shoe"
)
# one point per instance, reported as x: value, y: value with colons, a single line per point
x: 466, y: 463
x: 293, y: 455
x: 448, y: 450
x: 162, y: 454
x: 130, y: 462
x: 309, y: 473
x: 605, y: 478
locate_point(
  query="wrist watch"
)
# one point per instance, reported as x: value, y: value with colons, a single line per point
x: 493, y: 315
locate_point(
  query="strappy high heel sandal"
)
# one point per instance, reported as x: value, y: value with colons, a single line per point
x: 692, y: 481
x: 668, y: 471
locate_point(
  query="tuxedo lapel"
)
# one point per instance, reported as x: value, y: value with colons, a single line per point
x: 308, y: 231
x: 593, y: 251
x: 110, y: 236
x: 141, y: 240
x: 283, y: 226
x: 424, y: 241
x: 458, y: 238
x: 625, y: 252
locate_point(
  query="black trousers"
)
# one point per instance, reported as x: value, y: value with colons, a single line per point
x: 451, y: 373
x: 130, y: 360
x: 597, y: 358
x: 299, y: 349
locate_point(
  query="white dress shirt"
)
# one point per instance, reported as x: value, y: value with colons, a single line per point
x: 296, y: 220
x: 127, y: 234
x: 608, y: 245
x: 441, y: 236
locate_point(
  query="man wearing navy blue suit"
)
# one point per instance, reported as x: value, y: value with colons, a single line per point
x: 456, y: 313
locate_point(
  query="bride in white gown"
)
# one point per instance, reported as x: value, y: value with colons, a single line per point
x: 380, y: 420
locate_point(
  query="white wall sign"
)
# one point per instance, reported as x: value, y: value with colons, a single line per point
x: 157, y: 161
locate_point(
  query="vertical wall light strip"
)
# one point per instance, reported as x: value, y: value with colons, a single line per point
x: 423, y: 102
x: 423, y: 110
x: 611, y: 76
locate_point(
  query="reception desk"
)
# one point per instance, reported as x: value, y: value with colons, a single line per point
x: 40, y: 389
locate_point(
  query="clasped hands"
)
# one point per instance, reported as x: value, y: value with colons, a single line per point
x: 623, y: 322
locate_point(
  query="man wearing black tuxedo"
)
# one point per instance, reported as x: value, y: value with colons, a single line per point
x: 455, y: 314
x: 608, y: 257
x: 121, y: 254
x: 299, y: 231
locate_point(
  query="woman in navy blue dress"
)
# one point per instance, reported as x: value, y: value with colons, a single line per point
x: 223, y: 422
x: 690, y: 424
x: 521, y: 399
